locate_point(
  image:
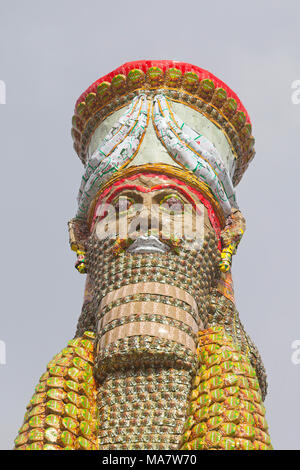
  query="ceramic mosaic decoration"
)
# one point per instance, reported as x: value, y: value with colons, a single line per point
x: 160, y: 359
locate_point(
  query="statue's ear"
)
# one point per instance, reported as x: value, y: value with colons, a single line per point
x: 231, y: 236
x: 78, y: 234
x: 234, y: 229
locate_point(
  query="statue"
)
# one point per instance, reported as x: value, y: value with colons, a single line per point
x: 160, y: 359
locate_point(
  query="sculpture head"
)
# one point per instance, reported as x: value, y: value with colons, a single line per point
x: 172, y: 119
x: 163, y: 146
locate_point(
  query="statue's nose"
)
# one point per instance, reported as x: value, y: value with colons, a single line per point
x: 145, y: 220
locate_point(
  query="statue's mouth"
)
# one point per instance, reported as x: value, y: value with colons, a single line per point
x: 148, y: 244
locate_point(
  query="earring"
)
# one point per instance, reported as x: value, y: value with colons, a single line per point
x: 80, y: 264
x: 226, y: 257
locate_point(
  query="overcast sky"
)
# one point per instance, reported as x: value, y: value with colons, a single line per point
x: 50, y: 52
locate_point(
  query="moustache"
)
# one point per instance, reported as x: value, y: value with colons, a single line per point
x: 155, y: 241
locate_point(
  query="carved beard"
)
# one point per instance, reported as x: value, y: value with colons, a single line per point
x: 190, y: 271
x: 137, y: 368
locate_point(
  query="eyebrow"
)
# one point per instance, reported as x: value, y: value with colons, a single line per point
x: 149, y: 190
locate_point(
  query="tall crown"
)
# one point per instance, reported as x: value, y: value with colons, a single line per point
x: 162, y: 112
x: 191, y: 85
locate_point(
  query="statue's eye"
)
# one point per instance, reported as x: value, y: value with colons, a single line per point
x: 123, y: 204
x: 173, y: 204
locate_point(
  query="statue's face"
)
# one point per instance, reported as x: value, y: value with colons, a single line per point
x: 151, y: 213
x: 155, y: 233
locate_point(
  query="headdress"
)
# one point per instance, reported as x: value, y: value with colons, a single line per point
x: 112, y: 115
x: 170, y: 115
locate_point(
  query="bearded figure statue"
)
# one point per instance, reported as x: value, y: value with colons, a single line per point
x: 160, y: 359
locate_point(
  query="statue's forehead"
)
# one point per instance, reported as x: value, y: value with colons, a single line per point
x: 143, y: 183
x: 148, y: 181
x: 149, y: 184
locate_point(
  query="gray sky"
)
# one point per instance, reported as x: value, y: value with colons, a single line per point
x: 52, y: 51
